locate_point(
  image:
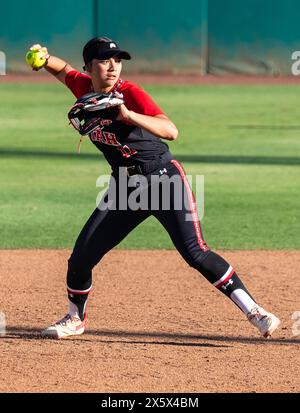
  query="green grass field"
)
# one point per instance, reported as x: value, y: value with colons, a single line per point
x: 243, y: 139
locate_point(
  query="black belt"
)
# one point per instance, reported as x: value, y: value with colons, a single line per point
x: 147, y: 167
x: 134, y: 170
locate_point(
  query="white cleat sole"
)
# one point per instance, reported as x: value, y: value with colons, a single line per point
x: 54, y: 334
x: 67, y: 327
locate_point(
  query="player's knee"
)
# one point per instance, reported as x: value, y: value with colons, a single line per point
x: 194, y: 256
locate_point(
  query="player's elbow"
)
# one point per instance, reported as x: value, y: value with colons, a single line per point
x: 167, y: 129
x: 173, y: 133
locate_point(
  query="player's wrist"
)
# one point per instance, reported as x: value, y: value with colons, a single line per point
x: 47, y: 57
x: 130, y: 116
x: 55, y: 65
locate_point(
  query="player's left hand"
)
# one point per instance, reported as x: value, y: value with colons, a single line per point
x: 124, y: 113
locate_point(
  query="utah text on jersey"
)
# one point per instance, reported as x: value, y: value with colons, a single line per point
x: 109, y: 138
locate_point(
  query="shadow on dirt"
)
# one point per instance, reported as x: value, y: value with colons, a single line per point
x: 152, y: 338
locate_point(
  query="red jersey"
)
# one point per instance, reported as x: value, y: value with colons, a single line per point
x: 121, y: 143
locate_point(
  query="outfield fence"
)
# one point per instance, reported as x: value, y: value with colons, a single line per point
x: 197, y: 36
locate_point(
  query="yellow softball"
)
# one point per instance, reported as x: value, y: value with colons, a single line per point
x: 35, y: 59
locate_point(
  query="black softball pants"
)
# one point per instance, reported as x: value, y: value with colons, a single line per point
x: 106, y: 228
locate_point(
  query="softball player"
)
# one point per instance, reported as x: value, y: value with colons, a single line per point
x: 134, y: 141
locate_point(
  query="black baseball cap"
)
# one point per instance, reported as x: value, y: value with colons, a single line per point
x: 103, y: 48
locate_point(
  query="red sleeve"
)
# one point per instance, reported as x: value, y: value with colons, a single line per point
x: 139, y: 101
x: 78, y: 83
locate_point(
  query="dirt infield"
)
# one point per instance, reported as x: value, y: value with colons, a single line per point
x: 154, y: 325
x: 167, y: 79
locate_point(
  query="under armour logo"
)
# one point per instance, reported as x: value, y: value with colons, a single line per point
x: 112, y: 45
x: 230, y: 282
x: 163, y: 171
